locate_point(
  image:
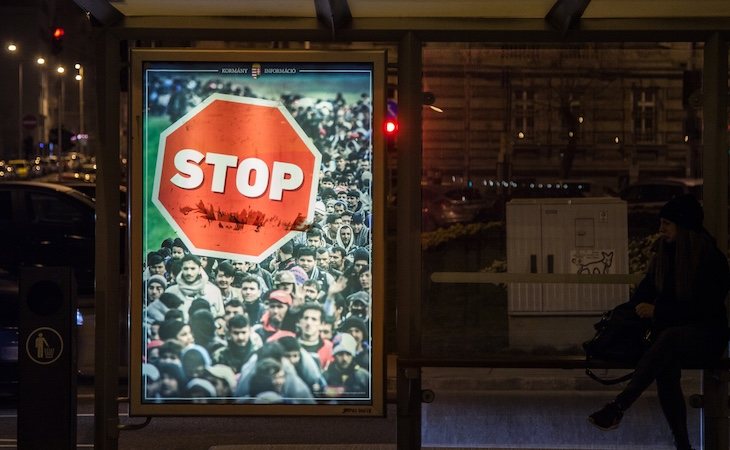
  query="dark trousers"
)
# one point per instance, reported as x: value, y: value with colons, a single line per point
x: 674, y: 347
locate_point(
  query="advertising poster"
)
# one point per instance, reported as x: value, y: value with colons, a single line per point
x: 255, y: 260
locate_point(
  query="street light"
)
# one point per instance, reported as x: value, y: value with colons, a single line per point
x: 13, y: 48
x: 60, y: 70
x: 80, y: 79
x: 42, y: 99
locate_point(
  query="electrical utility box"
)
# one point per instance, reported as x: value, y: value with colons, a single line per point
x: 563, y: 236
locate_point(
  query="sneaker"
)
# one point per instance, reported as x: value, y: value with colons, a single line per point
x: 607, y: 418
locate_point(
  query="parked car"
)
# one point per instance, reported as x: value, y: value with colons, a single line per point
x: 89, y: 189
x: 645, y: 198
x: 45, y: 224
x: 451, y: 205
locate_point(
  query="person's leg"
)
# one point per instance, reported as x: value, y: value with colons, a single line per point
x: 671, y: 399
x: 672, y: 347
x: 663, y: 353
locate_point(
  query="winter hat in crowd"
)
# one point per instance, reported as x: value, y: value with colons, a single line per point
x: 359, y: 296
x: 361, y: 254
x: 357, y: 218
x: 171, y: 300
x: 199, y: 304
x: 154, y: 258
x: 281, y: 297
x: 354, y: 322
x: 320, y: 208
x: 347, y: 344
x: 300, y: 275
x: 195, y: 354
x: 170, y: 328
x: 685, y: 211
x: 284, y: 277
x: 159, y: 279
x: 202, y: 384
x: 223, y: 372
x: 180, y: 244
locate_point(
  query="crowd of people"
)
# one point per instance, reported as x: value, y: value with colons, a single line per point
x: 294, y: 328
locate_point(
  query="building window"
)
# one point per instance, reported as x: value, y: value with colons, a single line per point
x: 644, y: 107
x: 523, y: 112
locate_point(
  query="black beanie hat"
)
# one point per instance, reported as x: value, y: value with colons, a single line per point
x: 685, y: 211
x: 171, y: 300
x: 154, y: 258
x: 170, y: 328
x: 360, y: 254
x: 354, y: 322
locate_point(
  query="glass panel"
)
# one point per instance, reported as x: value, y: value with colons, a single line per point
x: 546, y: 160
x: 49, y: 209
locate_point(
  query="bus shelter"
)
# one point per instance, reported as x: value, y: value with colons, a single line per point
x: 405, y: 27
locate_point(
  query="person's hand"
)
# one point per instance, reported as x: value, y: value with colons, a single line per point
x: 338, y: 286
x: 645, y: 310
x: 298, y: 295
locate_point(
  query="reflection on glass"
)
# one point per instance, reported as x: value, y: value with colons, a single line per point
x: 601, y: 134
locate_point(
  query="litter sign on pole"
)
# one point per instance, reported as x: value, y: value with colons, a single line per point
x: 44, y: 345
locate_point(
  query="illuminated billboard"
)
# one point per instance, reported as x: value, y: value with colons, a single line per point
x: 256, y: 254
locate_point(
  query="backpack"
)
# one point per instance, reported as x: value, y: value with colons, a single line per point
x: 621, y: 337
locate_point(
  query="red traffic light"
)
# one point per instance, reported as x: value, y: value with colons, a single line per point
x: 58, y: 33
x: 391, y: 127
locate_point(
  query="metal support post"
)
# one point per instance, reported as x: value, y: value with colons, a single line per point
x: 409, y: 239
x: 108, y: 301
x: 409, y: 407
x: 715, y: 174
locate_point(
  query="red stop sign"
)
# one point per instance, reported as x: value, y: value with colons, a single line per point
x: 236, y: 177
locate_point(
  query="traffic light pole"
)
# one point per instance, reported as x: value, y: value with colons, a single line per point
x: 59, y: 128
x: 82, y: 143
x: 59, y: 125
x: 20, y: 110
